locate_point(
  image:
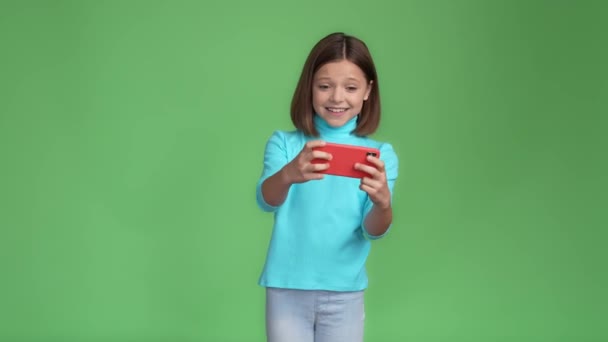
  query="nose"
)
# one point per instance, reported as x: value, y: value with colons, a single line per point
x: 337, y: 95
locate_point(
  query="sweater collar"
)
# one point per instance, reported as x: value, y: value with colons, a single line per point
x: 325, y: 130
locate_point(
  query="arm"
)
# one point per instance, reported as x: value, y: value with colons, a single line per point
x: 379, y: 187
x: 275, y: 188
x: 378, y: 220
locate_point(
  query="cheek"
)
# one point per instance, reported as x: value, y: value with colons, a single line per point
x: 315, y: 97
x: 357, y: 101
x: 316, y: 103
x: 318, y: 98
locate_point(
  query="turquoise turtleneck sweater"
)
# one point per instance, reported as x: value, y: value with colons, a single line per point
x: 318, y: 239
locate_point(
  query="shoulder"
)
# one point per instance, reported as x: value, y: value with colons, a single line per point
x: 284, y: 134
x: 287, y: 138
x: 289, y: 142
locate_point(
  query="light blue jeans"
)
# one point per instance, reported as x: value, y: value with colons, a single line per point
x: 314, y: 316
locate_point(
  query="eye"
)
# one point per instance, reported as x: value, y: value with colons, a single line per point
x: 323, y: 86
x: 351, y: 89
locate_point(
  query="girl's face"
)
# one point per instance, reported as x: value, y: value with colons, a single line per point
x: 338, y: 91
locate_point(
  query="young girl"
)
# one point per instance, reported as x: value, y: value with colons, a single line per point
x: 315, y: 268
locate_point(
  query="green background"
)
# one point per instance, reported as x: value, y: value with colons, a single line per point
x: 132, y: 136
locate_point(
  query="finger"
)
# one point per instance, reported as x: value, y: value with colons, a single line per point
x: 318, y: 167
x: 367, y: 188
x: 377, y: 162
x: 375, y: 193
x: 372, y: 171
x: 321, y: 155
x: 314, y: 176
x: 371, y: 183
x: 314, y: 143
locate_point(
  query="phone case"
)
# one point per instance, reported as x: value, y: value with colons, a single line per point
x: 344, y: 158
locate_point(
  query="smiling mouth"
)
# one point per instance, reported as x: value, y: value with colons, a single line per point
x: 336, y: 110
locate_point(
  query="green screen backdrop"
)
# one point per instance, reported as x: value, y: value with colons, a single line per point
x: 132, y: 136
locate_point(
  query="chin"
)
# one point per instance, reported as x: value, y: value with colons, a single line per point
x: 335, y: 124
x: 332, y: 119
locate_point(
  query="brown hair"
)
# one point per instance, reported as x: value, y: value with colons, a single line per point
x: 335, y: 47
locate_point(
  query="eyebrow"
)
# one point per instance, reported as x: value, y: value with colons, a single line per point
x: 329, y: 78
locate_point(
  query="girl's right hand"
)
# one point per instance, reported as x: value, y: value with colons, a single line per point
x: 301, y: 169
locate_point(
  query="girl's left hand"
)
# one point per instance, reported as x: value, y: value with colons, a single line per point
x: 376, y: 185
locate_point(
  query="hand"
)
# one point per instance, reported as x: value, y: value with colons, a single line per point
x: 376, y: 185
x: 301, y: 170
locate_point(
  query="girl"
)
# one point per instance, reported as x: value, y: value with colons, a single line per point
x: 315, y: 268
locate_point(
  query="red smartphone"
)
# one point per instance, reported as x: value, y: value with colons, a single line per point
x: 344, y: 158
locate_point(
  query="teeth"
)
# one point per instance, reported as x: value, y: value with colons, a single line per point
x: 336, y: 110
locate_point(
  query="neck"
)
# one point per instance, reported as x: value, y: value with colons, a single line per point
x: 325, y: 130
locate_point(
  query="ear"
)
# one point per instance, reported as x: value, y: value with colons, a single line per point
x: 368, y: 91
